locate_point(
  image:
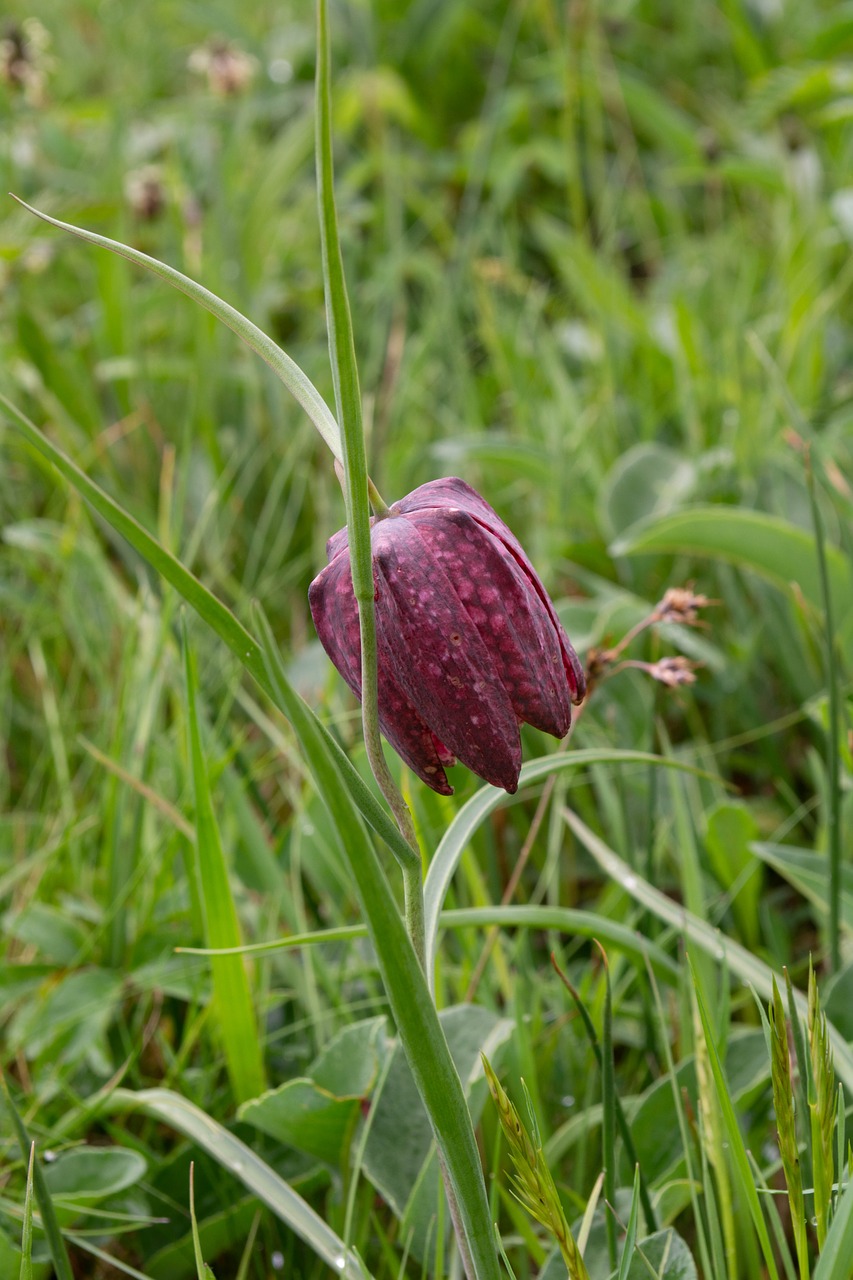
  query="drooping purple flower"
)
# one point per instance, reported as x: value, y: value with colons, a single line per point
x: 469, y: 643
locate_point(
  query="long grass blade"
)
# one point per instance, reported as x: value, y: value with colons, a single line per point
x: 26, y: 1272
x: 837, y: 1252
x: 50, y: 1226
x: 742, y: 962
x: 608, y: 1114
x: 631, y: 1229
x: 247, y: 1167
x: 297, y: 383
x: 212, y: 611
x: 621, y: 1119
x: 786, y: 1127
x: 833, y: 756
x: 737, y: 1150
x: 235, y: 1015
x: 485, y: 801
x: 420, y: 1032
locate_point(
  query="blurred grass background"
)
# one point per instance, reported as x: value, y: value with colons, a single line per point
x: 599, y: 265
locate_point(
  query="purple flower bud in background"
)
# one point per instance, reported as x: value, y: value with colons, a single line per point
x: 469, y: 643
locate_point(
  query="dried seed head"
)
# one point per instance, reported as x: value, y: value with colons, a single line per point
x: 145, y: 192
x: 681, y: 604
x: 672, y: 671
x: 229, y: 69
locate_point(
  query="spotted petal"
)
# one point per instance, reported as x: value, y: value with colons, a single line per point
x: 446, y: 494
x: 508, y: 613
x: 335, y: 614
x: 438, y: 657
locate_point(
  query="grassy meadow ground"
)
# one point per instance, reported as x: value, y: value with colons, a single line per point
x: 599, y: 263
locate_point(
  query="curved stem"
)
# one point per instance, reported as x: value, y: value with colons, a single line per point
x: 378, y: 503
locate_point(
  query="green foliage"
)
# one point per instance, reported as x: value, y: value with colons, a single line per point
x: 598, y: 263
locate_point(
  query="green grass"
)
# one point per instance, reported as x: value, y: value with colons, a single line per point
x: 598, y: 264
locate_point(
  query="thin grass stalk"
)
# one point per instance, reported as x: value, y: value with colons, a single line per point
x: 830, y: 661
x: 631, y: 1229
x: 712, y: 1129
x: 678, y: 1105
x: 26, y: 1272
x: 840, y: 1134
x: 423, y: 1040
x: 288, y: 372
x: 621, y: 1119
x: 737, y: 1150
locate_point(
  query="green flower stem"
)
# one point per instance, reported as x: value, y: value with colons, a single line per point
x: 376, y: 501
x: 358, y: 490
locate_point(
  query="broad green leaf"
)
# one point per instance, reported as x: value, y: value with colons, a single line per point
x: 838, y: 1001
x: 766, y: 544
x: 246, y: 1167
x: 647, y: 481
x: 399, y: 1158
x: 56, y: 935
x: 235, y: 1014
x: 475, y: 811
x: 69, y: 1018
x: 731, y: 827
x: 654, y: 115
x: 724, y: 950
x: 92, y: 1173
x: 302, y: 1115
x: 350, y: 1062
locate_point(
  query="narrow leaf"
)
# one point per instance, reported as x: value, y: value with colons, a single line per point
x: 740, y: 961
x: 26, y: 1272
x: 235, y: 1014
x: 484, y: 802
x: 212, y: 611
x: 55, y: 1242
x: 834, y: 1261
x: 737, y: 1150
x: 300, y: 386
x: 417, y: 1021
x: 247, y: 1167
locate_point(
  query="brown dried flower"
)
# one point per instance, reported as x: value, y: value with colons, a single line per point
x: 229, y: 69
